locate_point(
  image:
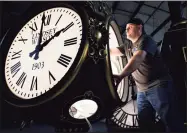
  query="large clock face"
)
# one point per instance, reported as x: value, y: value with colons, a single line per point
x: 42, y: 52
x: 116, y: 62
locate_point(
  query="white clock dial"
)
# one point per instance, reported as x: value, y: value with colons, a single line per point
x: 116, y: 62
x: 83, y: 109
x: 127, y: 116
x: 28, y: 76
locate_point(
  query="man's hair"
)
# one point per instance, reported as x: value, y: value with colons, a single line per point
x: 137, y: 21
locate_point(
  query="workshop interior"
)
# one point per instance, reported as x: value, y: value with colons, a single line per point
x: 57, y: 70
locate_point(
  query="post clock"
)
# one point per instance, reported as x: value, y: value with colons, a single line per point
x: 40, y: 53
x: 53, y: 66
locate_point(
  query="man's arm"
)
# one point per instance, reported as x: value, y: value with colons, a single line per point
x: 133, y: 63
x: 115, y: 52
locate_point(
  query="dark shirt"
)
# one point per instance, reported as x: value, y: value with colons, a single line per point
x: 152, y: 72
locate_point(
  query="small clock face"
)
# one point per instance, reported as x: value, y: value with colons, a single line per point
x: 83, y: 109
x: 127, y: 116
x: 116, y: 62
x: 42, y: 52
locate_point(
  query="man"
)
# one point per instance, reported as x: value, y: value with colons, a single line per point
x: 151, y: 77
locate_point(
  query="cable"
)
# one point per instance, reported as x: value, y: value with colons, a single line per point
x: 88, y: 122
x: 90, y: 126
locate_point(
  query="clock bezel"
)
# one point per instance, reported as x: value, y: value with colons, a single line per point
x: 61, y: 86
x: 109, y: 75
x: 93, y: 118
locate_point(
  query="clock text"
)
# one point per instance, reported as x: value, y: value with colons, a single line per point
x: 39, y: 65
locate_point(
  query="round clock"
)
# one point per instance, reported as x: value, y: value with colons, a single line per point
x: 42, y: 54
x: 127, y: 115
x: 117, y: 62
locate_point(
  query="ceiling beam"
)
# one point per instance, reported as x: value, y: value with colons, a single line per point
x: 153, y: 12
x: 164, y: 22
x: 154, y: 7
x: 131, y: 12
x: 123, y: 14
x: 160, y: 26
x: 141, y: 3
x: 115, y: 4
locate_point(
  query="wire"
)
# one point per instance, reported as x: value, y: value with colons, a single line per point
x: 90, y: 126
x: 88, y: 122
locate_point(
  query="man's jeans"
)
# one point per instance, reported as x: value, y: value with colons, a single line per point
x: 162, y: 100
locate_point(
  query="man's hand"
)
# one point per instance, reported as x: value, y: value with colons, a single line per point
x: 117, y: 79
x: 115, y: 52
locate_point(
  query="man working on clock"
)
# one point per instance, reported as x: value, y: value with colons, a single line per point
x: 153, y: 83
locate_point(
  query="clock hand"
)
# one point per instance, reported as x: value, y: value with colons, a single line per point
x: 46, y: 42
x: 133, y: 106
x: 36, y: 51
x: 55, y: 35
x: 40, y: 35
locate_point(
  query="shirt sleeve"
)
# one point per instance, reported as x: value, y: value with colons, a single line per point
x: 148, y: 45
x: 122, y: 48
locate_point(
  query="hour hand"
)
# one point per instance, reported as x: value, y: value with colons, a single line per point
x: 36, y: 52
x: 56, y: 35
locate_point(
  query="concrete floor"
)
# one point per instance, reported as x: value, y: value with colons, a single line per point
x: 97, y: 127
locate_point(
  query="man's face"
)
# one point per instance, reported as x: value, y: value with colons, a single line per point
x: 132, y: 31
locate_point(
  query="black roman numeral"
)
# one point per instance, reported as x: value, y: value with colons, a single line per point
x: 34, y: 27
x: 21, y: 80
x: 33, y: 83
x: 47, y: 20
x: 71, y: 41
x: 64, y: 60
x: 22, y: 40
x: 135, y: 119
x: 123, y: 117
x: 58, y: 19
x: 116, y: 112
x: 50, y: 75
x: 15, y: 68
x: 16, y: 55
x: 68, y: 26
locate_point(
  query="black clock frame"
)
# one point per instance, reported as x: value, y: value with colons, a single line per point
x: 109, y: 75
x: 61, y: 86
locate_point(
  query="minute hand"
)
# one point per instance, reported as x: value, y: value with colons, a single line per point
x: 55, y: 35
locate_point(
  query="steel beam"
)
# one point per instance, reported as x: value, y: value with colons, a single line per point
x: 131, y: 12
x: 154, y: 7
x: 141, y: 3
x: 165, y: 22
x: 154, y: 12
x: 115, y: 4
x: 160, y: 26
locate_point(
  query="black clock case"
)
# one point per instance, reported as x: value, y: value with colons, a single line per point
x: 84, y: 80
